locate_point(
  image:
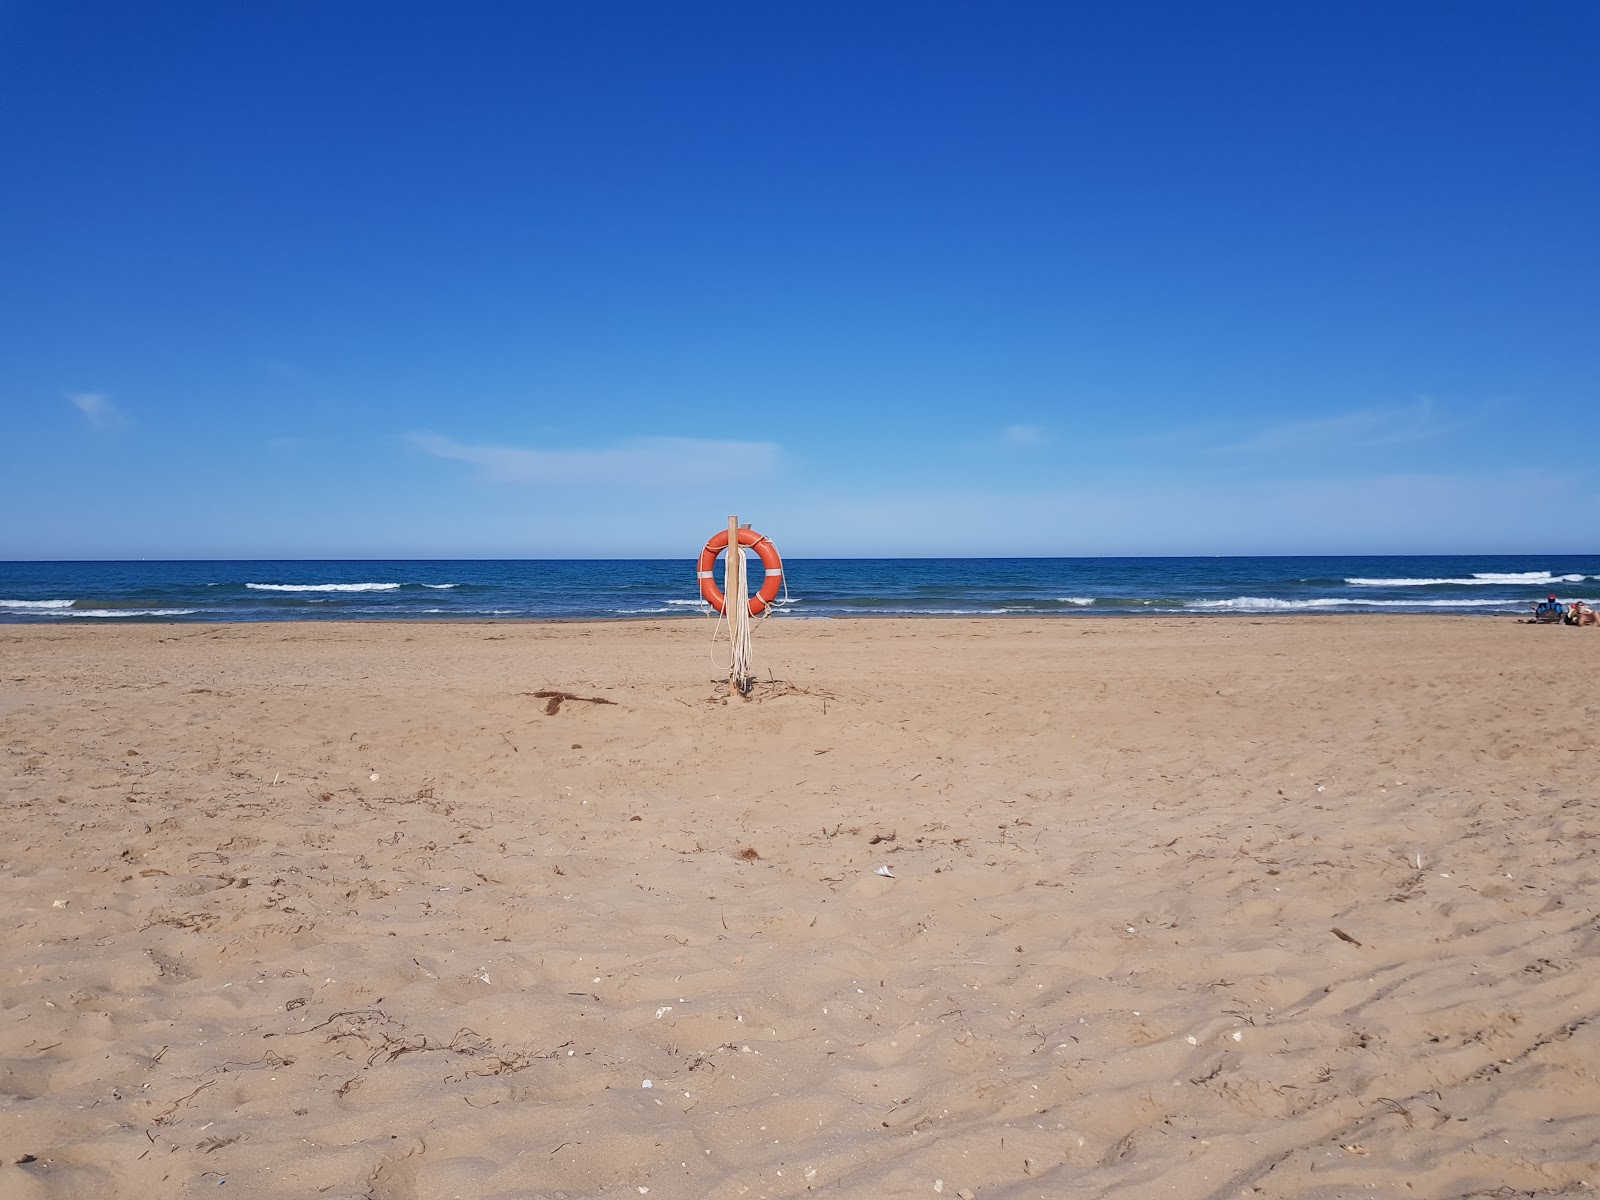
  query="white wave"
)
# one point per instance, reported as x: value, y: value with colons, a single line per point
x: 1389, y: 583
x: 324, y: 587
x: 1476, y: 580
x: 126, y: 612
x: 926, y: 612
x: 1074, y: 599
x: 37, y: 603
x: 1272, y: 604
x: 1526, y: 577
x: 436, y: 586
x: 697, y: 603
x: 1507, y: 603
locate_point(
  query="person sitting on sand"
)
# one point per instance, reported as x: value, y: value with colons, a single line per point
x: 1582, y: 614
x: 1550, y: 610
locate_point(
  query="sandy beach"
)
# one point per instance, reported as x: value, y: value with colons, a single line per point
x: 1188, y: 908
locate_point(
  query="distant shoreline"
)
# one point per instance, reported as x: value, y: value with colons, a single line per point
x: 407, y: 622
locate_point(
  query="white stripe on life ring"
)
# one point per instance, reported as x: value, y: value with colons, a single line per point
x: 774, y: 570
x: 705, y: 575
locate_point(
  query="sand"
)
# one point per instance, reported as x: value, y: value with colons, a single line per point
x: 1301, y: 906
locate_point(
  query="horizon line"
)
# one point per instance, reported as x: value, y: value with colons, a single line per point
x: 806, y: 557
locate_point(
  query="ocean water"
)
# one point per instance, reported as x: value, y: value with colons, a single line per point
x: 513, y: 589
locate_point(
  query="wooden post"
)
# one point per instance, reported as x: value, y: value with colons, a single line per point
x: 738, y: 611
x: 741, y: 676
x: 734, y: 564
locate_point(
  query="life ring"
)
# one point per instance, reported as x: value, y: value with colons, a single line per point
x: 768, y: 553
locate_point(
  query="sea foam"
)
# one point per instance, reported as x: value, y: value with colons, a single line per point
x: 37, y: 604
x: 1271, y: 604
x: 326, y: 587
x: 1501, y: 578
x: 125, y: 612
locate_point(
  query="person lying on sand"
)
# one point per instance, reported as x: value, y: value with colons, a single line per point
x: 1582, y: 614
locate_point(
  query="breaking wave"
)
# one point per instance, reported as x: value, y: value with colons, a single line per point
x: 125, y: 612
x: 1501, y: 578
x: 327, y: 587
x: 1272, y: 604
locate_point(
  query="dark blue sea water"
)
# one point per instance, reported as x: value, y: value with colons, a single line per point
x: 512, y: 589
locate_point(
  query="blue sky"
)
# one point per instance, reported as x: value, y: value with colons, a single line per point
x: 518, y: 279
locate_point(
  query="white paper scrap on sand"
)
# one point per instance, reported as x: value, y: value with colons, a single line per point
x: 885, y: 872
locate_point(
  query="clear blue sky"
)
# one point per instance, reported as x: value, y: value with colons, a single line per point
x: 519, y: 279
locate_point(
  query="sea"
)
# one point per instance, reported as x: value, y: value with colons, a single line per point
x: 48, y: 593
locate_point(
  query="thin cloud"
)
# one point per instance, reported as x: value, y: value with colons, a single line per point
x: 1024, y: 435
x: 637, y: 462
x: 1359, y: 430
x: 1012, y: 437
x: 1146, y: 512
x: 97, y: 409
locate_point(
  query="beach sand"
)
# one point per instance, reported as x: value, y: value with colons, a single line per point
x: 1299, y: 906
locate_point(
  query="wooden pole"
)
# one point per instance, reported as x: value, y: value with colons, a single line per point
x: 730, y: 580
x: 730, y: 572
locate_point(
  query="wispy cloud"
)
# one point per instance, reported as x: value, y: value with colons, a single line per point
x: 1362, y: 429
x: 1011, y: 437
x: 1148, y: 512
x: 1024, y: 435
x: 636, y: 462
x: 97, y: 409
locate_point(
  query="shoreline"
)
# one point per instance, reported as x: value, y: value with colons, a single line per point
x: 666, y: 619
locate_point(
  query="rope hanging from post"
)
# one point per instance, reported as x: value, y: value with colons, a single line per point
x: 742, y: 674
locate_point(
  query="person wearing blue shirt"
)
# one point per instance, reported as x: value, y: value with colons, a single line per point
x: 1550, y: 610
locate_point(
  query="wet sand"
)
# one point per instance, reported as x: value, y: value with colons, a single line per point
x: 1300, y: 906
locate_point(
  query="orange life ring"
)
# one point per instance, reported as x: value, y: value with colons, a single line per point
x: 768, y: 554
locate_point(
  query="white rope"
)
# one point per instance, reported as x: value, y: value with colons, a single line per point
x: 726, y: 618
x: 740, y: 624
x: 743, y: 666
